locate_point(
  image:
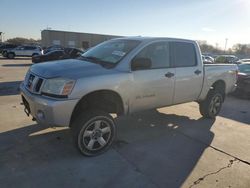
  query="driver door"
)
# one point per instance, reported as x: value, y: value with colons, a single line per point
x: 154, y: 86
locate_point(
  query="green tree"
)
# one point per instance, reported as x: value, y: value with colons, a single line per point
x: 241, y: 49
x: 20, y: 41
x: 207, y: 48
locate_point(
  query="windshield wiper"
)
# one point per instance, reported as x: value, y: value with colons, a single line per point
x: 97, y: 61
x: 91, y: 58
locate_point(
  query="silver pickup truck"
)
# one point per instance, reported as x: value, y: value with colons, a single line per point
x: 122, y: 76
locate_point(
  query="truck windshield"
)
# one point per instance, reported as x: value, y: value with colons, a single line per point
x: 110, y: 52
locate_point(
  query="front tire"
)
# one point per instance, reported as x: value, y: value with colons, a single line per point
x: 211, y: 106
x: 93, y: 132
x: 4, y: 54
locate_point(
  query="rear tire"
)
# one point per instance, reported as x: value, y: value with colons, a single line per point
x: 211, y: 106
x: 93, y: 132
x: 11, y: 55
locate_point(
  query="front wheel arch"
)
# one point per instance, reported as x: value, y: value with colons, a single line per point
x: 106, y: 100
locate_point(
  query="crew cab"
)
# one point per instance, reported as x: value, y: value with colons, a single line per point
x: 24, y: 51
x: 122, y: 76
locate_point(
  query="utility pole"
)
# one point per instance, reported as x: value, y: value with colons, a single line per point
x: 2, y: 36
x: 225, y: 45
x: 216, y: 46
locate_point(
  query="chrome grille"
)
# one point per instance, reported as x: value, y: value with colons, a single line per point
x: 33, y: 83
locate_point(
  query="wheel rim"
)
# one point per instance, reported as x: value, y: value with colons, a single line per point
x: 96, y: 135
x: 215, y: 105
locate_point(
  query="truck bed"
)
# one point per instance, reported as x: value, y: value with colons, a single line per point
x: 216, y: 72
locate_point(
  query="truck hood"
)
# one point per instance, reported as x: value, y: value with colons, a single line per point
x: 69, y: 68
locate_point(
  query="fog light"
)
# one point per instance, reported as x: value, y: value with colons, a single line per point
x: 40, y: 114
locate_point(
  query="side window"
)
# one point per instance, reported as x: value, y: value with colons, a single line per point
x: 58, y: 53
x: 157, y: 53
x: 29, y: 48
x: 20, y: 48
x: 183, y: 54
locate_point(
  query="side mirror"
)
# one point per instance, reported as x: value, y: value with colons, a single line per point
x: 141, y: 63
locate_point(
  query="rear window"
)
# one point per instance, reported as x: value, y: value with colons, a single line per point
x: 183, y: 54
x: 56, y: 52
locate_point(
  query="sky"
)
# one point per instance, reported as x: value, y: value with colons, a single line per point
x: 210, y: 20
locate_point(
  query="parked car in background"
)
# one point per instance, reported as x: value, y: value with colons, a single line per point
x: 52, y: 48
x: 50, y: 56
x: 207, y: 60
x: 243, y: 60
x: 122, y: 76
x: 74, y: 52
x: 243, y: 81
x: 230, y: 59
x: 67, y: 53
x: 5, y: 47
x: 24, y: 51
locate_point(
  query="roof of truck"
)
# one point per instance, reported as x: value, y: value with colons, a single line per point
x: 141, y: 38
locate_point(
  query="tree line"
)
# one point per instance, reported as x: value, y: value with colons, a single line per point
x: 237, y: 49
x: 21, y: 40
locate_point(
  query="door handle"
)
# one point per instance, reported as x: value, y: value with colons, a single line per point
x: 169, y: 74
x: 197, y: 72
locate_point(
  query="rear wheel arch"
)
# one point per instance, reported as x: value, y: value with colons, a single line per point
x: 106, y: 100
x: 11, y: 54
x: 211, y: 106
x: 219, y: 86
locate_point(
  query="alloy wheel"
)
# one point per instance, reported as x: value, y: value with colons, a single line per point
x: 96, y: 135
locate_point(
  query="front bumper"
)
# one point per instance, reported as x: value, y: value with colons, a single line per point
x: 47, y: 111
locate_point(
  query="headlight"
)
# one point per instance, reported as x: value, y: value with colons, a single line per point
x: 58, y: 86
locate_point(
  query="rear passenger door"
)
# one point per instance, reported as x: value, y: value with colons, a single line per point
x: 29, y: 50
x: 189, y: 71
x: 19, y: 51
x: 153, y: 87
